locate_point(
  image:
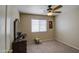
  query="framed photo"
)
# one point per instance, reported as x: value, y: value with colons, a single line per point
x: 50, y: 24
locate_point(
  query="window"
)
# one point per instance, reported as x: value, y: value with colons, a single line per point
x: 39, y: 25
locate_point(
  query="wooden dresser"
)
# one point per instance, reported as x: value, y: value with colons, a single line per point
x: 19, y: 46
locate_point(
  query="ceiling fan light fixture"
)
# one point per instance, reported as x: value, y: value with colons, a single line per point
x: 50, y: 14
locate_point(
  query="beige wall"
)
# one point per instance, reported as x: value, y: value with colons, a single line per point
x: 67, y: 26
x: 25, y: 24
x: 2, y: 28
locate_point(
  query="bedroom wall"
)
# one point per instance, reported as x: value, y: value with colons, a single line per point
x: 67, y: 26
x: 2, y: 28
x: 25, y: 24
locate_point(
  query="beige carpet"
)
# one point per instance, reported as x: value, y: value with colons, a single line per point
x: 50, y: 47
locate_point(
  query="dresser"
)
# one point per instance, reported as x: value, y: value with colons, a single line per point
x: 19, y: 46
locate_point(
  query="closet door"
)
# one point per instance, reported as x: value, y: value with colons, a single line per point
x: 2, y: 28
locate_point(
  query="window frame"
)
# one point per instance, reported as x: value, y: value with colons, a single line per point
x: 39, y: 26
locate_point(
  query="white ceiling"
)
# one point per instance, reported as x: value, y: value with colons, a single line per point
x: 33, y: 9
x: 42, y: 9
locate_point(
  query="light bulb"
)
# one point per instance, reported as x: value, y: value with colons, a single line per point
x: 50, y: 13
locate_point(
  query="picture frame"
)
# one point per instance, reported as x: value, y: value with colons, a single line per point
x: 50, y: 24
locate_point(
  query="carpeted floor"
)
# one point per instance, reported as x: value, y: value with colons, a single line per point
x: 50, y: 47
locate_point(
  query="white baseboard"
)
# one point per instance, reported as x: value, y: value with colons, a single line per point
x: 9, y: 51
x: 69, y: 44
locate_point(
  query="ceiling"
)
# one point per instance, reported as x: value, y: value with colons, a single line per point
x: 42, y: 9
x: 33, y: 9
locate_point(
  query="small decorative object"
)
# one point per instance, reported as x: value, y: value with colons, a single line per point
x: 20, y: 36
x: 37, y: 40
x: 50, y: 25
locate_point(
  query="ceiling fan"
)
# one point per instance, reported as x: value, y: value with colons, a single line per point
x: 53, y: 9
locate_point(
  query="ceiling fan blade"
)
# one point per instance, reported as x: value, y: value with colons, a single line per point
x: 57, y: 7
x: 57, y: 12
